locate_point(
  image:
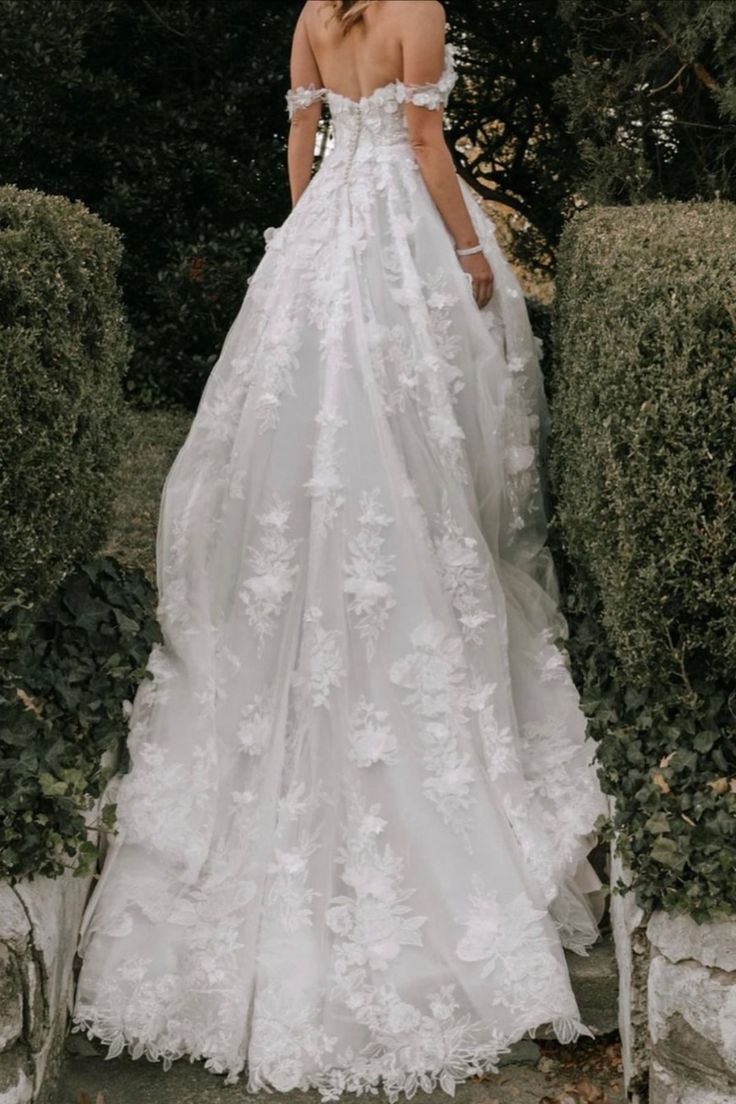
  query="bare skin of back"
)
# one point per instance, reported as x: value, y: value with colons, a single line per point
x: 394, y: 40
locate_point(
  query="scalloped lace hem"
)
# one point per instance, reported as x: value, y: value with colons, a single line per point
x: 336, y: 1081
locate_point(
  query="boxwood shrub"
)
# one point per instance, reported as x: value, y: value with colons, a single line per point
x: 643, y: 468
x: 63, y: 352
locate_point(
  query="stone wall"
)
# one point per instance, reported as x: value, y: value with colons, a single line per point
x: 692, y: 1010
x: 39, y: 921
x: 677, y: 1003
x: 629, y: 923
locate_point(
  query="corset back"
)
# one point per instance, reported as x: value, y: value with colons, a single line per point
x: 376, y: 121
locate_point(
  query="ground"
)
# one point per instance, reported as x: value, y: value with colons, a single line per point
x: 537, y: 1073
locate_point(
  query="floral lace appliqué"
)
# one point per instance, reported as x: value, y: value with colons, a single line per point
x: 366, y: 568
x: 265, y: 591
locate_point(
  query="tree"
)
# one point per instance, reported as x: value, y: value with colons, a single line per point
x: 651, y: 97
x: 505, y: 115
x: 168, y: 119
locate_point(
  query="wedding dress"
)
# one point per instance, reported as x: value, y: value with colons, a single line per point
x: 352, y: 842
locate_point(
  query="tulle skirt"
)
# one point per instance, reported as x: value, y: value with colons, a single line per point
x: 352, y: 843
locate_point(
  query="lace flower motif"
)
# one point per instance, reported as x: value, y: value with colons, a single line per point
x: 435, y: 95
x: 302, y: 96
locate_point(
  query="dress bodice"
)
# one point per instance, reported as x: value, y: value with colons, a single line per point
x: 376, y: 119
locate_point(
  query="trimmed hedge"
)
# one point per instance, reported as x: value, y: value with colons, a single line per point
x: 66, y: 671
x: 63, y: 351
x: 643, y: 466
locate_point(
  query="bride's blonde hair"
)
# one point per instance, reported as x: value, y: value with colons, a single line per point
x: 348, y: 12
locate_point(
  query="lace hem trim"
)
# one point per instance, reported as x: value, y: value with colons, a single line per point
x: 335, y: 1081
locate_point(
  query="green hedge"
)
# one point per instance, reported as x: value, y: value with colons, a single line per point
x: 66, y: 670
x: 63, y: 351
x: 643, y: 466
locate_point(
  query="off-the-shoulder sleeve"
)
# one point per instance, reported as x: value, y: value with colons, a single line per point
x: 433, y: 96
x: 302, y: 97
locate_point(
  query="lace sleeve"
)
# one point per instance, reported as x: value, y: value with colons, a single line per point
x: 302, y: 97
x: 433, y: 96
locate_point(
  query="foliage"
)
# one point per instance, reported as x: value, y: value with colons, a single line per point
x: 151, y: 444
x: 63, y: 350
x: 511, y: 127
x: 65, y: 672
x: 168, y: 119
x: 651, y: 96
x: 643, y: 398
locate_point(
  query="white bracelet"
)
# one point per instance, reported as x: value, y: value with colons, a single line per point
x: 467, y: 252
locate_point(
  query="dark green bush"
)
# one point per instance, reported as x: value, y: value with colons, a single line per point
x: 66, y: 671
x: 643, y: 465
x: 63, y: 351
x: 169, y: 121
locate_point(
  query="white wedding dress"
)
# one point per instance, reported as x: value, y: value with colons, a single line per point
x: 352, y: 843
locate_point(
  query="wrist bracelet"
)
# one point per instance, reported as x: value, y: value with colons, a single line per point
x: 467, y: 252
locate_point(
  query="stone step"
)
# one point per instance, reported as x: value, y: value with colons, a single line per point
x: 125, y: 1081
x: 595, y: 981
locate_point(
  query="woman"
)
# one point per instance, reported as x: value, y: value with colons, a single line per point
x: 352, y: 843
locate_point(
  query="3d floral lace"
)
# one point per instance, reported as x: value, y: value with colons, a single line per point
x: 352, y: 844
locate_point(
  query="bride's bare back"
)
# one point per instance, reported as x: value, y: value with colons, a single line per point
x: 393, y: 40
x: 376, y: 49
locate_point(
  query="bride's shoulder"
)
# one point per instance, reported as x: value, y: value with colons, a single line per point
x: 419, y: 18
x: 409, y: 10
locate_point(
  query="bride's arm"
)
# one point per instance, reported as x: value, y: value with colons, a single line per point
x: 304, y: 121
x: 423, y: 45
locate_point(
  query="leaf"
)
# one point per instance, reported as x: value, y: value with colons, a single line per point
x: 719, y: 785
x: 665, y: 851
x: 588, y: 1092
x: 704, y: 741
x: 661, y: 782
x: 28, y: 702
x: 50, y: 786
x: 658, y: 822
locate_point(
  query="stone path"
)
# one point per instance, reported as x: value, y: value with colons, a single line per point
x: 544, y: 1073
x: 536, y: 1072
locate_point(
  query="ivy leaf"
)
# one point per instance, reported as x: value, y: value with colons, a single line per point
x: 50, y: 786
x: 665, y: 851
x: 658, y: 822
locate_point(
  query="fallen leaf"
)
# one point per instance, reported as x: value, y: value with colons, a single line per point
x: 661, y: 782
x: 665, y: 762
x: 591, y: 1094
x: 719, y: 785
x: 28, y: 701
